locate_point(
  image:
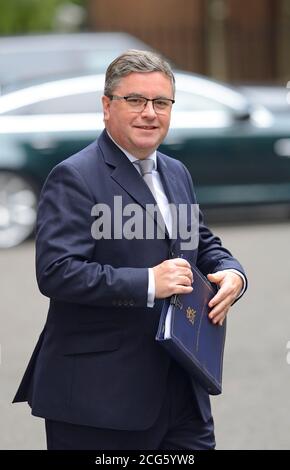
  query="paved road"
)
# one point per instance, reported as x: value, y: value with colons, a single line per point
x: 254, y: 410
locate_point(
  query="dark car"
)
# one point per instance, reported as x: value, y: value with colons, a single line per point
x: 237, y: 153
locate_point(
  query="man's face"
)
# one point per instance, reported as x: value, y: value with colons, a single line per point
x: 140, y: 133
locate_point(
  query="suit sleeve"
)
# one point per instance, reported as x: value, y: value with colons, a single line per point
x: 212, y: 256
x: 65, y: 266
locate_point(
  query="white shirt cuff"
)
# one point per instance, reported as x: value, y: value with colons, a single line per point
x: 151, y: 288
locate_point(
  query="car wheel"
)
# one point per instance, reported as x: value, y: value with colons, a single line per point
x: 18, y: 203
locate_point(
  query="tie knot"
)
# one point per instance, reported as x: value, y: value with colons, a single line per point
x: 146, y: 166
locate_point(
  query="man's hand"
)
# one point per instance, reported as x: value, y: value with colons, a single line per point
x: 230, y: 285
x: 173, y: 276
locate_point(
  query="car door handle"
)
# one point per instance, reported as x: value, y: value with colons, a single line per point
x: 282, y: 147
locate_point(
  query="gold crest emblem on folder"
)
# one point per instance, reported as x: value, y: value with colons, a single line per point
x: 190, y: 314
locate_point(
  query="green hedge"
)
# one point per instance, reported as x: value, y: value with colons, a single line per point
x: 24, y: 16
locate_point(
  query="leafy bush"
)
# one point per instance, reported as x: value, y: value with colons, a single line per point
x: 23, y: 16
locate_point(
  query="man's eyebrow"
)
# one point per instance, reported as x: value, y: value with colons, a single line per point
x: 136, y: 94
x: 159, y: 97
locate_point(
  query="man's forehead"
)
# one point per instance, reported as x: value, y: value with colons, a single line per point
x: 140, y: 81
x: 145, y: 77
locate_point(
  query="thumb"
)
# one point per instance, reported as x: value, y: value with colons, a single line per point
x: 216, y: 277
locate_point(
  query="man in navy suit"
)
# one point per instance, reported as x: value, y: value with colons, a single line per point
x: 97, y: 375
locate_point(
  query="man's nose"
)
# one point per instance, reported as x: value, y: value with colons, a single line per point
x: 149, y: 110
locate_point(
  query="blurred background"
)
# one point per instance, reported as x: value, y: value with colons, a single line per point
x: 227, y: 39
x: 230, y: 126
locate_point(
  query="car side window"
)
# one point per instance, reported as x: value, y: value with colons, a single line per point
x: 70, y: 104
x: 186, y: 101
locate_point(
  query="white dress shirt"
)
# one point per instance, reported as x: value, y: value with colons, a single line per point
x: 164, y: 208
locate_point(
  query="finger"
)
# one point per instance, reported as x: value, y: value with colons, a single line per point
x: 219, y: 297
x: 185, y: 272
x: 181, y: 262
x: 219, y: 319
x: 223, y: 293
x: 182, y: 290
x: 183, y: 280
x: 220, y: 308
x: 216, y: 277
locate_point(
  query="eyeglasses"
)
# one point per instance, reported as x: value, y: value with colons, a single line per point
x: 138, y: 103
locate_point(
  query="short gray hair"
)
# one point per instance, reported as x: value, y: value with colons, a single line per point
x: 134, y: 60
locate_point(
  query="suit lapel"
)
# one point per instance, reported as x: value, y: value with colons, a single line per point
x: 171, y: 189
x: 168, y: 179
x: 125, y: 174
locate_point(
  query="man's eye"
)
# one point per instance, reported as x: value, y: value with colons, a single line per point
x: 135, y: 101
x: 161, y: 103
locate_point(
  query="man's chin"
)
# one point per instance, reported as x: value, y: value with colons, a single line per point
x: 147, y: 143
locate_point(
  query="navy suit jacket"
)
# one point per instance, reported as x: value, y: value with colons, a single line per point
x: 97, y: 362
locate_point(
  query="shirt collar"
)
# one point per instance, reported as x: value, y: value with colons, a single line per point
x: 152, y: 156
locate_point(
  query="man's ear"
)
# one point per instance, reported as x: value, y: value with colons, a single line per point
x: 106, y: 107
